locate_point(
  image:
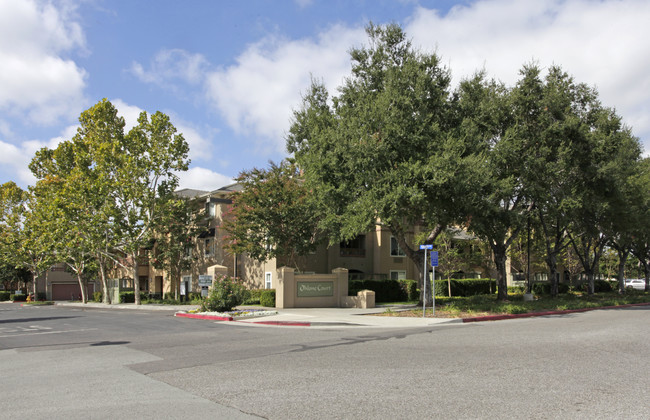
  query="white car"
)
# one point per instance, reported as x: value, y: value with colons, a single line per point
x: 638, y: 284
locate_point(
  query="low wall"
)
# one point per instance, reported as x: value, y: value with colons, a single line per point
x: 311, y: 290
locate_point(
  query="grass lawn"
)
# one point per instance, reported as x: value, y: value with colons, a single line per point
x: 481, y: 305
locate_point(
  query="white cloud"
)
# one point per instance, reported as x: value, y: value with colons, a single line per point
x: 601, y: 43
x: 15, y: 159
x: 257, y: 94
x: 170, y: 65
x: 202, y: 179
x: 200, y: 146
x: 35, y: 77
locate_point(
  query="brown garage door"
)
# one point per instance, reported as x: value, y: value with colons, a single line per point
x: 69, y: 291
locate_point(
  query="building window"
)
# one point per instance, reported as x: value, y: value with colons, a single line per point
x: 398, y: 274
x: 268, y: 277
x: 186, y: 285
x: 354, y: 248
x: 209, y: 247
x: 211, y: 210
x: 395, y: 250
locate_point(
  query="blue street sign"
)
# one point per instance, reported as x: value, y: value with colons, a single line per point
x: 429, y: 246
x: 434, y: 258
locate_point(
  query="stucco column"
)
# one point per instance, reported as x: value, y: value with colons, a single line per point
x: 341, y: 285
x: 286, y: 291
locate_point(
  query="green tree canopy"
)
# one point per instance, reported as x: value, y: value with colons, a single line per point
x: 273, y: 216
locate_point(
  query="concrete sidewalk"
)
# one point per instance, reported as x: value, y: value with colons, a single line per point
x: 331, y: 317
x: 297, y: 317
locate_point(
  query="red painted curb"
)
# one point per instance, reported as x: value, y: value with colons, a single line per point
x: 532, y: 314
x: 198, y: 316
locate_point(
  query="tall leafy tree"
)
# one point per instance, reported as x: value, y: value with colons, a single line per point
x: 144, y: 167
x: 175, y: 229
x: 104, y: 187
x: 640, y: 206
x: 273, y: 216
x: 498, y: 205
x: 611, y: 153
x: 381, y: 151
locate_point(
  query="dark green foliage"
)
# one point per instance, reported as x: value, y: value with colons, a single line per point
x: 18, y: 298
x: 267, y: 298
x: 226, y: 293
x: 127, y: 297
x: 254, y: 296
x: 4, y: 295
x: 97, y: 296
x: 410, y: 289
x: 466, y: 287
x: 386, y: 290
x: 545, y: 288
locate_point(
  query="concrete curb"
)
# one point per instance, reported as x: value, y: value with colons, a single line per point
x: 547, y: 313
x: 199, y: 316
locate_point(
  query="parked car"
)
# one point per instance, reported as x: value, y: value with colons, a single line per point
x: 638, y: 284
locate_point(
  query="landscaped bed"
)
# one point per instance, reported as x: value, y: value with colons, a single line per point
x: 486, y: 305
x: 227, y: 315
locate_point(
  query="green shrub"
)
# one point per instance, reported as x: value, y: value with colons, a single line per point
x: 254, y: 297
x: 226, y: 293
x: 385, y: 290
x: 545, y: 288
x: 409, y: 289
x: 267, y: 298
x: 97, y: 296
x: 600, y: 286
x: 515, y: 309
x: 465, y: 287
x: 5, y: 295
x: 18, y: 298
x: 127, y: 297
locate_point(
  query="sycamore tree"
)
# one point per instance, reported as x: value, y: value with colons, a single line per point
x: 273, y: 216
x: 103, y: 188
x: 384, y: 150
x: 27, y: 236
x: 21, y: 247
x: 144, y: 168
x: 175, y: 229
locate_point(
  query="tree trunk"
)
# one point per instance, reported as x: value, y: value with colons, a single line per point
x: 136, y: 279
x: 500, y: 262
x: 552, y: 266
x: 106, y: 298
x: 591, y: 286
x: 34, y: 277
x: 82, y: 287
x: 622, y: 258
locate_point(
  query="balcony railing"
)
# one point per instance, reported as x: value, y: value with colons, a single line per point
x: 353, y: 252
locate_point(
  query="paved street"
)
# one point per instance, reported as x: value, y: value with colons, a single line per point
x: 59, y: 362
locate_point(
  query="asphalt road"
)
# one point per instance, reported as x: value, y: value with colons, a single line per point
x: 58, y: 363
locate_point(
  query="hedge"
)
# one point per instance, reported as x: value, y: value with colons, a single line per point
x: 465, y: 287
x: 127, y: 297
x: 267, y: 298
x: 5, y: 295
x: 254, y: 296
x: 18, y: 298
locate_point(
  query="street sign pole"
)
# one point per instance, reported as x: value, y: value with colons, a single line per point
x: 434, y: 264
x: 424, y: 279
x: 424, y: 285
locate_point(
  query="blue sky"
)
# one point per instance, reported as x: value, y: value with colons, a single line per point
x: 228, y: 73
